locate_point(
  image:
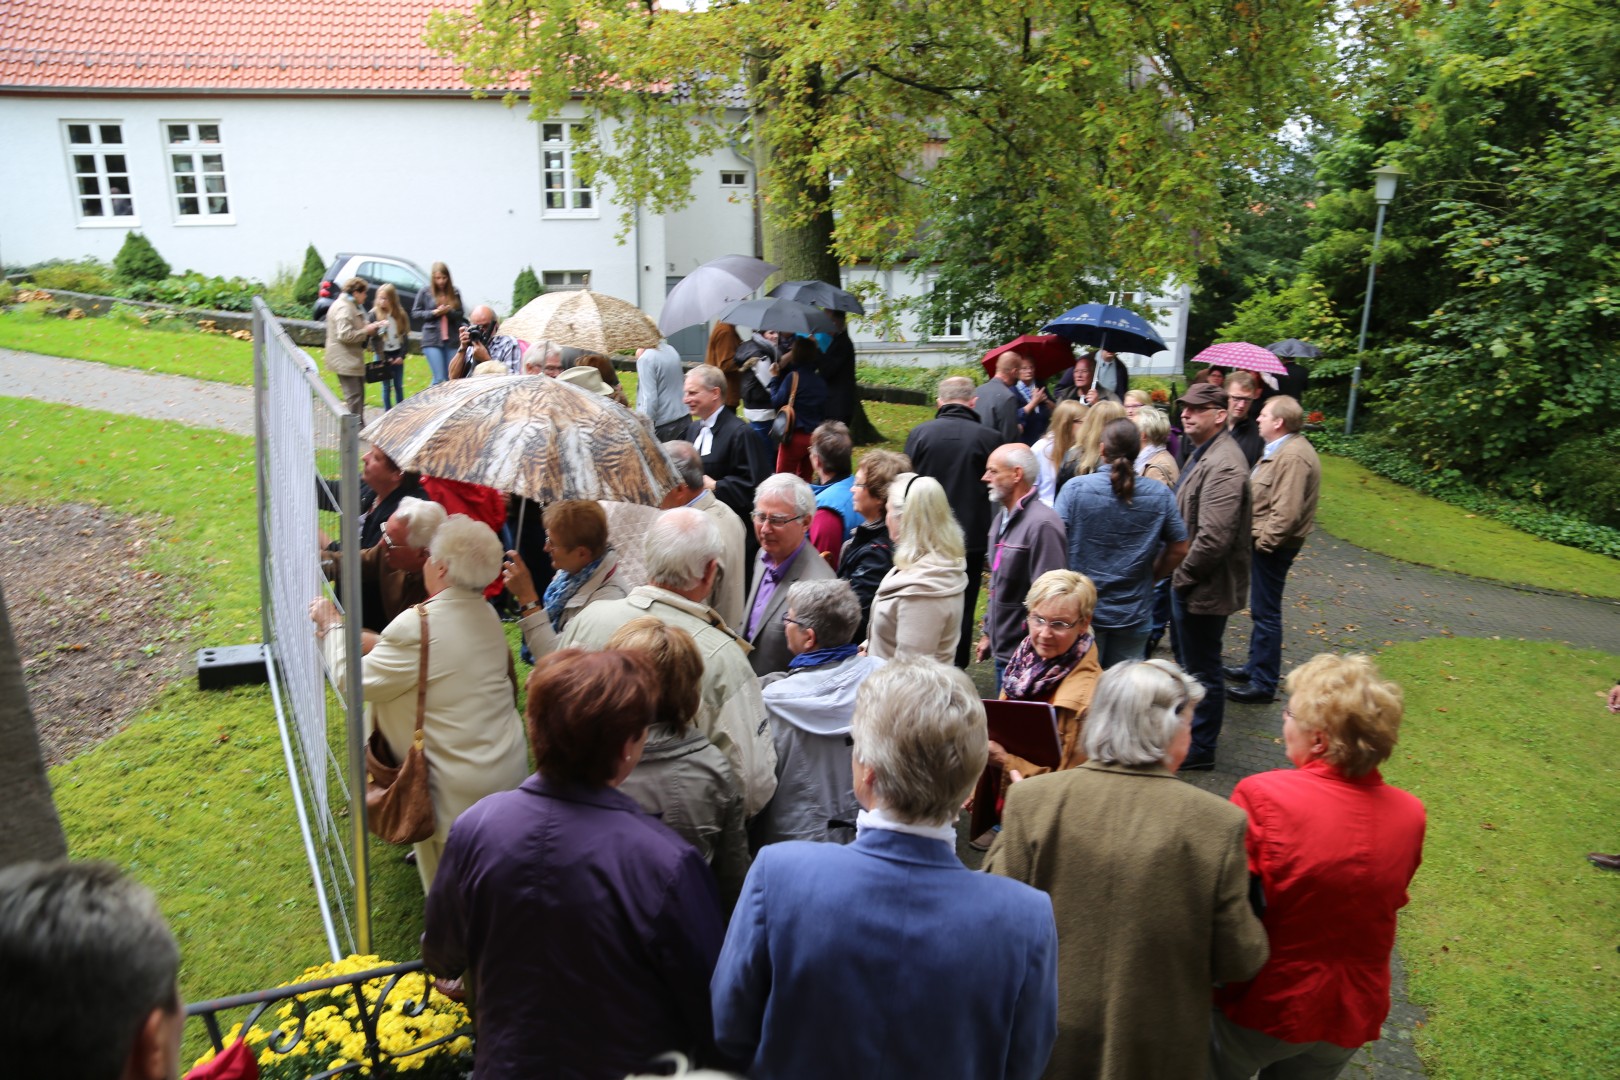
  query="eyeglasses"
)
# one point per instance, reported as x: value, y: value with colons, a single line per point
x: 388, y: 542
x: 1242, y: 397
x: 796, y: 622
x: 777, y: 520
x: 1055, y: 624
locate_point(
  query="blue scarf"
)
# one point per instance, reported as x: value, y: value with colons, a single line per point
x: 824, y: 656
x: 562, y: 589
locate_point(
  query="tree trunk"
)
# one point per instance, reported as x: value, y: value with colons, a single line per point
x: 32, y: 830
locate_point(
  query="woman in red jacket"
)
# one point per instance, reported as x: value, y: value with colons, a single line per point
x: 1334, y: 849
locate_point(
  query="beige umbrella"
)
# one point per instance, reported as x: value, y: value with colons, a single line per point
x: 584, y: 320
x: 528, y: 434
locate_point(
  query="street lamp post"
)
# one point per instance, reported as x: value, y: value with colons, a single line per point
x: 1385, y: 179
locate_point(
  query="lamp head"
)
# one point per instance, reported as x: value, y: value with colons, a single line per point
x: 1385, y: 179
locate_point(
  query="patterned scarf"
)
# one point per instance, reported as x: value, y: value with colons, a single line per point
x: 1029, y: 678
x: 562, y: 589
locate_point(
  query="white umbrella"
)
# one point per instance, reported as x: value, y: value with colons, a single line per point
x: 700, y: 295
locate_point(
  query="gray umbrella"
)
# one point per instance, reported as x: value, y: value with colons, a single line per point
x: 822, y: 295
x: 1294, y: 347
x: 698, y: 296
x: 788, y: 316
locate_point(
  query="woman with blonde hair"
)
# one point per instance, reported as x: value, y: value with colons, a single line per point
x: 1056, y: 664
x: 1334, y: 849
x: 1087, y: 453
x: 390, y: 342
x: 917, y: 610
x: 1054, y: 446
x: 438, y: 308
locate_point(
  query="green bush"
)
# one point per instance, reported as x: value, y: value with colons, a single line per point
x: 82, y: 275
x: 1583, y: 477
x: 196, y: 290
x: 7, y: 291
x: 308, y: 287
x: 138, y: 260
x: 525, y: 288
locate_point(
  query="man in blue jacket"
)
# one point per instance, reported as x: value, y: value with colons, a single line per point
x: 888, y: 957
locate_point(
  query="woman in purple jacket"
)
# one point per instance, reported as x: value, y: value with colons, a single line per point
x: 587, y: 930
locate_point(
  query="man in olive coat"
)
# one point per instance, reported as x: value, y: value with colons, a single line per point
x: 1213, y: 580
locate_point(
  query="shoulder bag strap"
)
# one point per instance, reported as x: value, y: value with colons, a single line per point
x: 793, y: 393
x: 422, y: 675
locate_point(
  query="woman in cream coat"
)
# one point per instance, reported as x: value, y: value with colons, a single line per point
x: 917, y: 610
x: 472, y: 734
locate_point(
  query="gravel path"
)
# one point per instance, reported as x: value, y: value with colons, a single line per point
x: 1339, y: 597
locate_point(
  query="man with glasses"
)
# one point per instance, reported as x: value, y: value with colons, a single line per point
x: 1243, y: 404
x: 783, y: 505
x: 1213, y: 580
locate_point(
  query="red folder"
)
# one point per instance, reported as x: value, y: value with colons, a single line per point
x: 1026, y: 728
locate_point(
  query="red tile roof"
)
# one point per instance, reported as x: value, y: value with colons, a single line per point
x: 287, y: 46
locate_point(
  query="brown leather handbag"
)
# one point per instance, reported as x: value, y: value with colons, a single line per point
x: 399, y: 803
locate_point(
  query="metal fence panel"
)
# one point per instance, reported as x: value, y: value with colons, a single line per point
x: 308, y: 465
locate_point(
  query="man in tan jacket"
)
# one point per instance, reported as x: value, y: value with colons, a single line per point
x: 1285, y: 484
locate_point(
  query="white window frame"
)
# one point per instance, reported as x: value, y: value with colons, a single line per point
x: 734, y: 179
x: 953, y: 328
x: 101, y: 175
x: 557, y: 160
x: 565, y: 280
x: 196, y: 150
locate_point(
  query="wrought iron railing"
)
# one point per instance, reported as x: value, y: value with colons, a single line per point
x: 283, y: 1041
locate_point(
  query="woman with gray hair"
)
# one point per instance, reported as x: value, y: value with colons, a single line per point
x: 1151, y: 893
x: 810, y: 706
x: 889, y: 949
x: 461, y: 673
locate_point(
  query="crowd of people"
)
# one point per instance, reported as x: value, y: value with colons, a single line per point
x: 725, y: 822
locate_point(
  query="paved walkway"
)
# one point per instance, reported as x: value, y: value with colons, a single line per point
x: 1339, y: 597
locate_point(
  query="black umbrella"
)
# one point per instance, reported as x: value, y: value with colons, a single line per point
x: 788, y: 316
x: 1294, y: 347
x: 820, y: 294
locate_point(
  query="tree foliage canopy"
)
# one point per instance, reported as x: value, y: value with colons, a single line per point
x: 1031, y: 150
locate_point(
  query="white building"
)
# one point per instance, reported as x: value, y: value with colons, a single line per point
x: 233, y: 144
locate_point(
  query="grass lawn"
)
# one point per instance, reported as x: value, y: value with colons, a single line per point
x: 1510, y: 937
x: 192, y: 797
x: 1381, y: 515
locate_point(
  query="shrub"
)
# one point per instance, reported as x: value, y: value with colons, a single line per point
x: 138, y: 260
x: 82, y: 275
x: 1583, y: 476
x: 196, y: 290
x: 525, y: 288
x: 7, y: 291
x: 308, y: 287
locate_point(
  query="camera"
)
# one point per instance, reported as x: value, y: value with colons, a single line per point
x: 477, y: 335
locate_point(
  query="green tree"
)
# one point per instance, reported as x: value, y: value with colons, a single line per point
x: 308, y: 286
x: 138, y: 260
x: 525, y: 288
x: 1082, y: 146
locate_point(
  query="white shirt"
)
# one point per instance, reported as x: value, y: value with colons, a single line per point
x: 881, y: 819
x: 705, y: 440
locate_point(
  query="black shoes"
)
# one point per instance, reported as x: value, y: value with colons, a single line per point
x: 1236, y: 672
x: 1249, y: 695
x: 1197, y: 762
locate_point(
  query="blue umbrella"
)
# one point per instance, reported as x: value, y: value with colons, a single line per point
x: 1113, y: 328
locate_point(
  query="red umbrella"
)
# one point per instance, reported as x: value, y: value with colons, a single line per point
x: 1050, y: 354
x: 1240, y: 354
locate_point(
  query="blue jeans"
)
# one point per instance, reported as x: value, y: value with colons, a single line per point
x: 1266, y: 580
x: 395, y: 382
x: 1118, y: 646
x: 438, y: 358
x: 1001, y: 671
x: 1198, y: 651
x: 1161, y: 616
